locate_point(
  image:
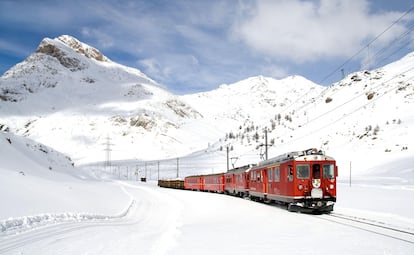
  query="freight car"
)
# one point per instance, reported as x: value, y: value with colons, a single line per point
x: 174, y: 184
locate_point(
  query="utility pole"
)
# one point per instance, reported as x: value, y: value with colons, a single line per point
x: 265, y: 145
x: 177, y: 167
x: 227, y: 149
x: 108, y: 152
x: 145, y: 170
x: 158, y: 163
x: 266, y: 154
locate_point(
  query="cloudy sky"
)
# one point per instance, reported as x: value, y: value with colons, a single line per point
x: 196, y: 45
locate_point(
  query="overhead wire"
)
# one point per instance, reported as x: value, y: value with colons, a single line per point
x: 366, y: 46
x: 354, y: 110
x: 383, y: 50
x: 379, y: 52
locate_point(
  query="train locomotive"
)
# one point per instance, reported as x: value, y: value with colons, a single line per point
x: 304, y: 181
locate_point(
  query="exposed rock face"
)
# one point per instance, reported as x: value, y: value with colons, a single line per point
x: 48, y: 47
x: 82, y: 48
x: 51, y: 48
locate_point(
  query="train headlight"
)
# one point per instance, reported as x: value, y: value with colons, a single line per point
x: 331, y: 186
x: 300, y: 187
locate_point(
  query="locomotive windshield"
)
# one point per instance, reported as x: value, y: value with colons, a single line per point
x: 302, y: 171
x: 328, y: 171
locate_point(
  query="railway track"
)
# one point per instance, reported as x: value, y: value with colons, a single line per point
x: 404, y: 234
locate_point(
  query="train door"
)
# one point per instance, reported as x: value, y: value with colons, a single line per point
x: 265, y: 181
x: 201, y: 182
x: 233, y: 182
x: 270, y: 173
x: 286, y: 179
x: 316, y: 175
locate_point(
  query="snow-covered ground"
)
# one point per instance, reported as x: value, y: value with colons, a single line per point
x: 51, y: 207
x: 165, y: 221
x: 93, y: 110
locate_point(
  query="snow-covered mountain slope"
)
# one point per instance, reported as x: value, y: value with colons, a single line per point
x: 69, y: 96
x: 36, y: 179
x: 17, y: 152
x: 367, y: 117
x: 255, y: 98
x: 365, y: 120
x: 244, y: 109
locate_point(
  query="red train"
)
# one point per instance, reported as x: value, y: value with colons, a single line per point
x: 305, y: 181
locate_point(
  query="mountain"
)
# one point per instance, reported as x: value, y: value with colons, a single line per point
x: 69, y: 96
x: 18, y: 151
x: 364, y: 120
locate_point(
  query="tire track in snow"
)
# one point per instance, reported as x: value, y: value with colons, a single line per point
x: 22, y: 224
x: 167, y: 221
x: 22, y: 231
x: 150, y: 225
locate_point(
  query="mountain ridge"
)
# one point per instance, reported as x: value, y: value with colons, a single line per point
x: 75, y: 109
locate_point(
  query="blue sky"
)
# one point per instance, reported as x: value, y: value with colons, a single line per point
x: 196, y: 45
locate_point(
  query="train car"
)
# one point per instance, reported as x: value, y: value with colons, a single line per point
x: 214, y: 183
x: 174, y: 184
x: 303, y: 180
x: 237, y: 181
x: 195, y: 182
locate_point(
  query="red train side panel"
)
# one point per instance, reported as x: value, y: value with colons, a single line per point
x: 195, y: 182
x: 214, y: 183
x: 237, y: 181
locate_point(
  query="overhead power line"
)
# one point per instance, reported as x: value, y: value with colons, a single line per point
x: 367, y: 45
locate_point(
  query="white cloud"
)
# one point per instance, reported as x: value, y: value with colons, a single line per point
x: 176, y: 67
x: 103, y: 40
x: 14, y: 48
x: 306, y: 31
x: 152, y: 67
x: 274, y: 71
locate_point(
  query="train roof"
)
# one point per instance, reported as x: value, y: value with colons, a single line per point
x: 315, y: 154
x: 241, y: 168
x: 203, y: 175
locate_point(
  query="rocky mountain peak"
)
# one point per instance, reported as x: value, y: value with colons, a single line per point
x: 82, y: 48
x: 52, y: 48
x: 49, y: 47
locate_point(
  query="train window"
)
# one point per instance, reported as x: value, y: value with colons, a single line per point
x: 269, y: 174
x: 277, y: 174
x: 302, y: 171
x: 290, y: 173
x: 328, y: 171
